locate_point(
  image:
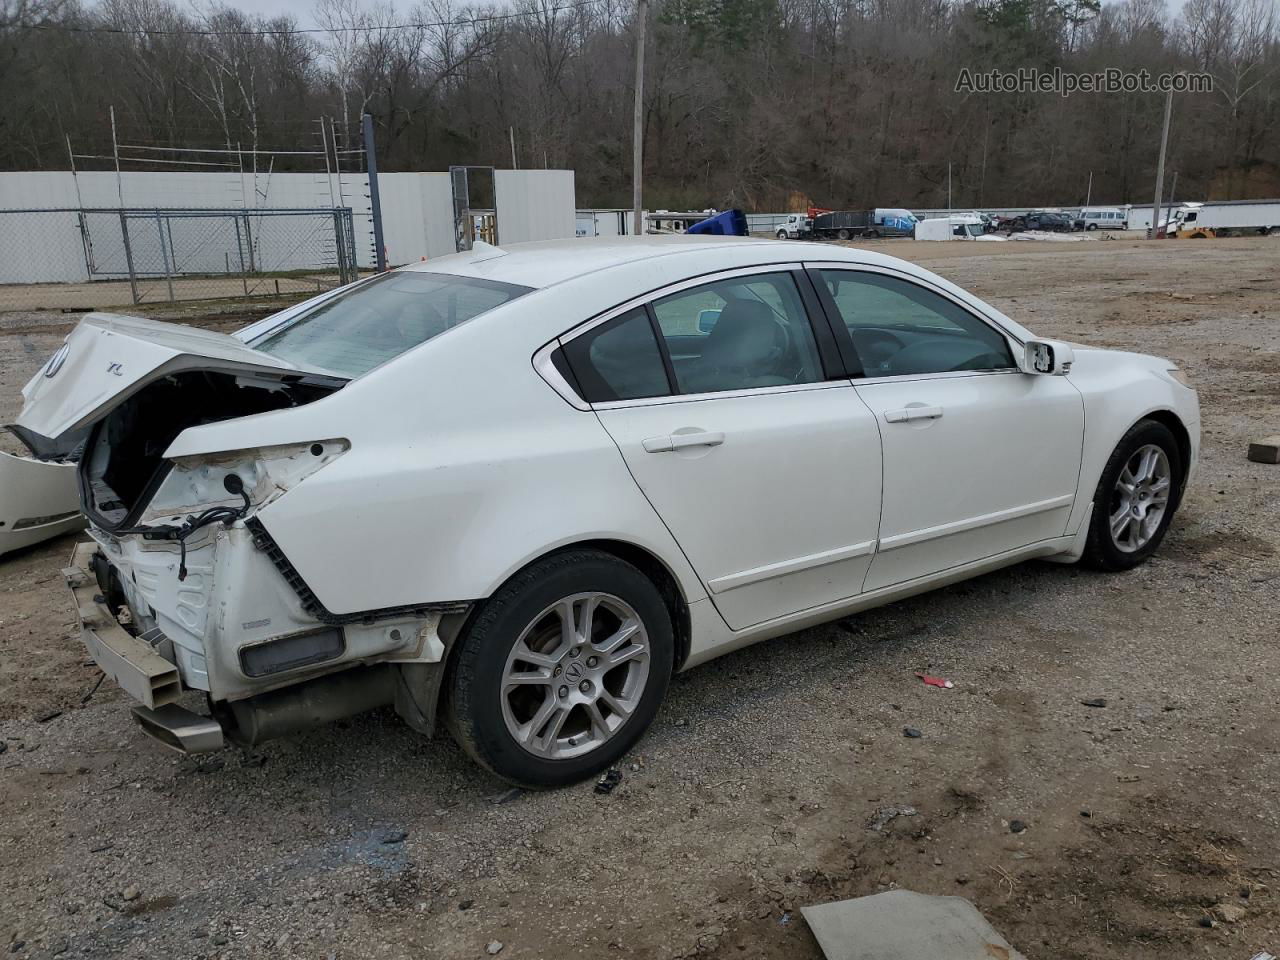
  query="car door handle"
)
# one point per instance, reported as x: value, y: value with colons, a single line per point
x: 679, y: 441
x: 912, y: 413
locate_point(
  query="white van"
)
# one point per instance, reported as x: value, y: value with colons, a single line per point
x: 1104, y: 218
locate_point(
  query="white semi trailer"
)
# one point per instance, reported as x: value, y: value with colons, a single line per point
x: 1223, y: 218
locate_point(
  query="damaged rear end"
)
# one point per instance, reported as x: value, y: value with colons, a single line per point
x: 182, y: 587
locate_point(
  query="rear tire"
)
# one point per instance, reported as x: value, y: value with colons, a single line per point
x: 1136, y: 498
x: 842, y: 234
x: 542, y: 705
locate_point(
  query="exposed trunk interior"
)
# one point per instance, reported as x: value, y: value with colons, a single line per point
x: 123, y: 461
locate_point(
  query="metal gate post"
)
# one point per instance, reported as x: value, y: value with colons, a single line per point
x: 85, y: 242
x: 248, y: 242
x: 128, y: 256
x: 375, y: 202
x: 244, y: 281
x: 338, y: 247
x: 164, y: 254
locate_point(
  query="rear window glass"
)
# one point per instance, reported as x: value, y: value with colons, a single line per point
x: 366, y: 326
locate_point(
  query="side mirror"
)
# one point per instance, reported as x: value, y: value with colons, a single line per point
x: 1047, y: 358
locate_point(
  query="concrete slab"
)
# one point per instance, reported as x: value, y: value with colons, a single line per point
x: 904, y: 925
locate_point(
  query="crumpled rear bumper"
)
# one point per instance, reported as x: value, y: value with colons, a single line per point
x: 128, y: 660
x: 136, y: 666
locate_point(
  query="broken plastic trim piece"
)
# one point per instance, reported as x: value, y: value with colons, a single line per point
x: 311, y: 603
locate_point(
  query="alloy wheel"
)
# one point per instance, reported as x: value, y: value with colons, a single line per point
x: 1140, y: 498
x: 575, y: 675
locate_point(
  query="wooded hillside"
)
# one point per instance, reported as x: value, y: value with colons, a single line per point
x: 747, y: 102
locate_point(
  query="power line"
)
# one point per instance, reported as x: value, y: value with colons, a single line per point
x: 297, y: 31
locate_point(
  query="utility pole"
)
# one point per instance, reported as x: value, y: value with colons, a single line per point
x: 1173, y: 192
x: 948, y: 188
x: 1088, y: 194
x: 511, y: 132
x: 637, y: 134
x: 1164, y: 144
x: 375, y: 205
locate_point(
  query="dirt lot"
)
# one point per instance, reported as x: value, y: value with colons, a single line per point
x: 753, y: 793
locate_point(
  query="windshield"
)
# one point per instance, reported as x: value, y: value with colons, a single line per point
x: 367, y: 325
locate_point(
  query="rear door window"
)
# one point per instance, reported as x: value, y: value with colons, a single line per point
x: 739, y: 333
x: 618, y: 360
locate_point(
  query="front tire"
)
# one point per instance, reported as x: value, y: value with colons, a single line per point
x: 561, y: 671
x: 782, y: 234
x: 1135, y: 499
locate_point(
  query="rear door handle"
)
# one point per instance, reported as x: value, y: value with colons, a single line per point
x: 912, y: 413
x: 679, y: 441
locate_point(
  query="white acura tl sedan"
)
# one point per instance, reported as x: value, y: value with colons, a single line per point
x: 518, y: 489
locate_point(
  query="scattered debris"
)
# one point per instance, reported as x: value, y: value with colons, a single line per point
x: 912, y: 732
x: 1264, y: 956
x: 46, y: 715
x: 785, y: 919
x: 885, y: 814
x: 1208, y: 922
x: 935, y: 681
x: 494, y: 948
x: 1017, y: 826
x: 130, y: 893
x: 395, y: 836
x: 466, y: 904
x: 612, y: 777
x: 1095, y: 702
x: 94, y: 689
x: 1128, y: 777
x: 1266, y: 450
x: 902, y: 923
x: 1229, y: 912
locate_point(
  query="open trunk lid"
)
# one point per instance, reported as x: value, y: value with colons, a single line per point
x: 108, y: 358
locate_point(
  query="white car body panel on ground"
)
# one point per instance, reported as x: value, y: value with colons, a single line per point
x: 446, y: 470
x: 38, y: 501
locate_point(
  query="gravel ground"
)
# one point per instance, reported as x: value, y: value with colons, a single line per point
x: 1152, y: 824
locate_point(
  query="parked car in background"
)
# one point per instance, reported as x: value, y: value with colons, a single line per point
x: 516, y: 489
x: 1047, y: 220
x: 1101, y: 218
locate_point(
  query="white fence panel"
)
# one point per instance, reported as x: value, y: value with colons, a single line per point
x: 534, y: 205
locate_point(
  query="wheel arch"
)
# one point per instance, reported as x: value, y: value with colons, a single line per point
x: 644, y: 560
x: 1180, y: 433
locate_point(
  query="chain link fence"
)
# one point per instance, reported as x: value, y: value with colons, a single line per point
x: 107, y: 257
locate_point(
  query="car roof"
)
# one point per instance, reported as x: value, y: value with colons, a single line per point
x: 544, y: 263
